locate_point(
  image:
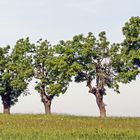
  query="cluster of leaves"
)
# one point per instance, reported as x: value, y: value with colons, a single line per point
x: 3, y: 62
x: 130, y: 52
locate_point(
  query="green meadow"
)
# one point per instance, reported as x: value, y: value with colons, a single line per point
x: 64, y: 127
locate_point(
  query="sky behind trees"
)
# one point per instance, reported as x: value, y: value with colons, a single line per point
x: 56, y: 20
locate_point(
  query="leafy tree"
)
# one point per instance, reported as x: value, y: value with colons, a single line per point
x: 15, y: 73
x: 93, y: 61
x: 3, y: 61
x: 50, y: 72
x: 130, y: 52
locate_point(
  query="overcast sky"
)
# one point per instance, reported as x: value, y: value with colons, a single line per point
x: 61, y: 19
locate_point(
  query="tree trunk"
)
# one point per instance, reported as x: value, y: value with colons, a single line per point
x: 47, y: 103
x: 6, y: 104
x: 100, y: 103
x: 46, y: 99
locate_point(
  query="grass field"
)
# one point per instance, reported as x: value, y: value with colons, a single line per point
x: 64, y: 127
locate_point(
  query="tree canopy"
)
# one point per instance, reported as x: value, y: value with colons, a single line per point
x: 131, y: 49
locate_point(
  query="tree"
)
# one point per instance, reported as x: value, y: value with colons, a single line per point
x: 93, y: 61
x: 3, y: 76
x: 15, y: 73
x: 130, y: 51
x: 50, y: 72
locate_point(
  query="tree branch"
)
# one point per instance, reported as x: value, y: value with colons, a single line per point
x: 91, y: 89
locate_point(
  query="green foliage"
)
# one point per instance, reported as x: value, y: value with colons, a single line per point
x: 50, y: 70
x: 92, y: 59
x: 15, y: 70
x: 3, y: 61
x: 130, y: 52
x: 95, y: 59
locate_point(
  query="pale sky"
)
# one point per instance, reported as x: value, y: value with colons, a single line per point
x: 62, y: 19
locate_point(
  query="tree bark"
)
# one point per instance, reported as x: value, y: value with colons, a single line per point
x: 99, y: 98
x: 47, y: 104
x: 100, y: 103
x: 6, y: 104
x: 46, y: 99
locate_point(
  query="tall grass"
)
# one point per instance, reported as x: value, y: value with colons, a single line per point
x: 63, y: 127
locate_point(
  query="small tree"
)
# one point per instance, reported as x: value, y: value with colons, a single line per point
x: 15, y: 73
x: 93, y: 61
x: 52, y: 79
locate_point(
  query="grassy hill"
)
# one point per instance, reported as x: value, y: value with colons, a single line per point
x: 64, y: 127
